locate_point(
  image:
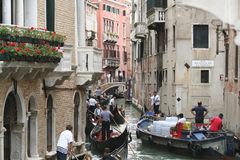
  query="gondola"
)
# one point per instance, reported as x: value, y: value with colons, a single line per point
x: 119, y: 153
x: 195, y: 143
x: 118, y: 117
x: 118, y: 137
x: 90, y: 124
x: 82, y: 156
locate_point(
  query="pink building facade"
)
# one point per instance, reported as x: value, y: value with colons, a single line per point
x: 114, y: 39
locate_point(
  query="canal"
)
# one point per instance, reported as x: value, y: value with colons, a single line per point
x: 137, y: 150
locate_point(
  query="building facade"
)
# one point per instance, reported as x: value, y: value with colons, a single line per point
x: 229, y: 13
x: 113, y: 38
x: 39, y: 99
x: 174, y: 50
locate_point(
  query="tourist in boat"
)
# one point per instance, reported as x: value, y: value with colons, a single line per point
x: 156, y: 102
x: 64, y: 145
x: 199, y: 112
x: 216, y: 123
x: 97, y: 112
x: 105, y: 116
x: 181, y: 118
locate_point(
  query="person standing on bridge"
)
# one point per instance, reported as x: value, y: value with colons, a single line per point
x: 98, y: 93
x: 112, y: 104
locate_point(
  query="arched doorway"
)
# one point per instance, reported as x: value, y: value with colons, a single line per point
x: 76, y: 116
x: 32, y: 138
x: 13, y: 137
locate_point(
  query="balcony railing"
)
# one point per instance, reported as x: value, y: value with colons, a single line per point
x: 110, y: 62
x: 24, y: 50
x: 140, y: 30
x: 155, y: 16
x: 110, y: 37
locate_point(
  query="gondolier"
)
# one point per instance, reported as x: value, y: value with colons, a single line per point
x: 156, y: 102
x: 105, y: 115
x: 64, y: 145
x: 112, y: 103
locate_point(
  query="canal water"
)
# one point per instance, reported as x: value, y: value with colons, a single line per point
x: 137, y: 150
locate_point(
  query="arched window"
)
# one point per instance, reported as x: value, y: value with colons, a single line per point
x: 76, y: 116
x: 49, y: 123
x: 32, y: 129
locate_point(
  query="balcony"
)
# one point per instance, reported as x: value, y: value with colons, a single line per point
x: 90, y: 65
x: 140, y: 30
x: 156, y: 13
x: 110, y: 37
x: 110, y: 63
x: 28, y: 52
x: 155, y: 17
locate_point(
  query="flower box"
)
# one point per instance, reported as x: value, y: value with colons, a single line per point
x: 4, y: 57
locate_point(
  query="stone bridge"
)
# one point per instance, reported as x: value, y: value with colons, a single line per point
x: 121, y: 86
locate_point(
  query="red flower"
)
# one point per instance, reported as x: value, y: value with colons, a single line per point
x: 2, y: 51
x: 17, y: 49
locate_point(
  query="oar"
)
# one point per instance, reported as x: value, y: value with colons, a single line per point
x: 123, y: 118
x: 74, y: 155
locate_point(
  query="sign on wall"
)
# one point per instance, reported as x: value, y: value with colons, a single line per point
x: 202, y: 63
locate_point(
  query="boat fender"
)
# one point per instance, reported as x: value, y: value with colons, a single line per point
x: 150, y: 138
x: 196, y: 149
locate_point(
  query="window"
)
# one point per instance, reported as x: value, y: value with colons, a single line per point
x: 166, y: 39
x: 200, y: 36
x: 174, y: 36
x: 124, y: 13
x: 108, y: 8
x: 124, y: 55
x: 174, y: 79
x: 150, y: 45
x: 117, y: 11
x: 204, y: 76
x: 236, y: 62
x: 124, y: 30
x: 104, y: 7
x: 117, y: 28
x: 50, y: 7
x: 1, y: 11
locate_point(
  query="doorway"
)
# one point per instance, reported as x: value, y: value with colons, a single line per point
x: 14, y: 128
